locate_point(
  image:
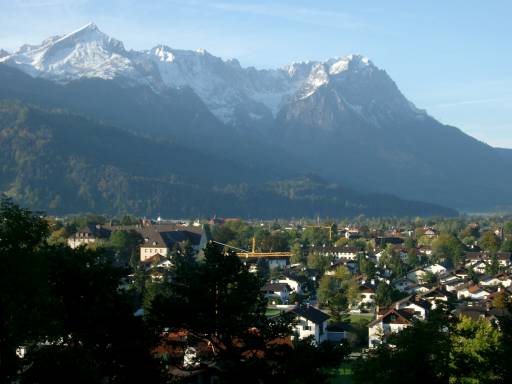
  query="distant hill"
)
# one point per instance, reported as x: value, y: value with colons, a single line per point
x: 64, y: 163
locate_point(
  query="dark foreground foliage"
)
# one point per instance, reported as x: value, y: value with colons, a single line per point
x: 63, y: 318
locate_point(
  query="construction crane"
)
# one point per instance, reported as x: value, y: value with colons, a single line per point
x: 242, y: 253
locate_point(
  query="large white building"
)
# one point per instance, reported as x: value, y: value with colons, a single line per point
x: 90, y: 234
x: 391, y: 322
x: 311, y: 322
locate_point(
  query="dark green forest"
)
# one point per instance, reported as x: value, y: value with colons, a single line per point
x: 63, y: 163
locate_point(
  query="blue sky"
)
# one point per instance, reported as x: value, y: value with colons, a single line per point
x: 452, y: 58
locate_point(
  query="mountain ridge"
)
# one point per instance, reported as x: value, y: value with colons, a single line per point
x: 343, y: 118
x: 65, y: 163
x: 95, y: 54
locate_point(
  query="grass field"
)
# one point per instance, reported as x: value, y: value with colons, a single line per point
x: 358, y: 317
x: 343, y: 375
x: 272, y: 312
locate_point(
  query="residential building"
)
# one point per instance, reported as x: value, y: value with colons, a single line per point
x: 311, y: 322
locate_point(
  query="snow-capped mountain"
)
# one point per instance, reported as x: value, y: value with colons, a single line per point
x: 86, y: 52
x: 343, y: 118
x: 231, y: 92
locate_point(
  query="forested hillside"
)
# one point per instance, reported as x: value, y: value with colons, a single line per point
x: 61, y: 162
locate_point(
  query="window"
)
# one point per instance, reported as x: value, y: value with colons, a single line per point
x: 306, y: 328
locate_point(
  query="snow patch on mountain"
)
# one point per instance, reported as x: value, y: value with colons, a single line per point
x: 228, y: 89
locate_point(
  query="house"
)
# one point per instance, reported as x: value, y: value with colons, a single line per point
x: 453, y: 283
x: 416, y: 275
x: 160, y: 240
x: 277, y: 292
x: 473, y: 292
x: 462, y: 273
x: 504, y: 258
x: 367, y: 293
x: 338, y: 332
x: 472, y: 257
x: 430, y: 233
x: 390, y: 322
x: 310, y: 322
x: 350, y: 264
x: 434, y: 296
x: 294, y: 285
x: 352, y: 233
x: 418, y: 306
x: 473, y: 312
x: 436, y: 269
x: 480, y: 267
x: 425, y: 250
x: 490, y: 281
x: 343, y: 253
x: 403, y: 285
x: 348, y: 253
x: 382, y: 241
x: 505, y: 279
x: 420, y: 288
x: 89, y: 234
x: 156, y: 261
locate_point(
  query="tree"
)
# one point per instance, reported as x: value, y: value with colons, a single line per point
x: 412, y: 258
x: 317, y: 261
x: 493, y: 267
x: 490, y: 242
x: 506, y: 246
x: 385, y: 295
x: 409, y: 243
x: 475, y: 351
x: 331, y: 295
x: 366, y: 267
x: 420, y: 352
x: 59, y: 236
x: 316, y: 236
x: 263, y: 268
x: 23, y: 294
x: 471, y: 231
x: 125, y: 245
x: 448, y: 247
x: 429, y: 277
x: 472, y: 275
x: 89, y: 321
x: 297, y: 254
x: 218, y: 302
x: 438, y: 350
x: 336, y: 292
x: 391, y: 259
x: 65, y: 307
x: 500, y: 300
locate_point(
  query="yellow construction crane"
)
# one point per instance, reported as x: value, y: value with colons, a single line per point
x: 242, y: 253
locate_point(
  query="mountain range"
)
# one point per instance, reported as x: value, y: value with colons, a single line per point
x: 343, y: 119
